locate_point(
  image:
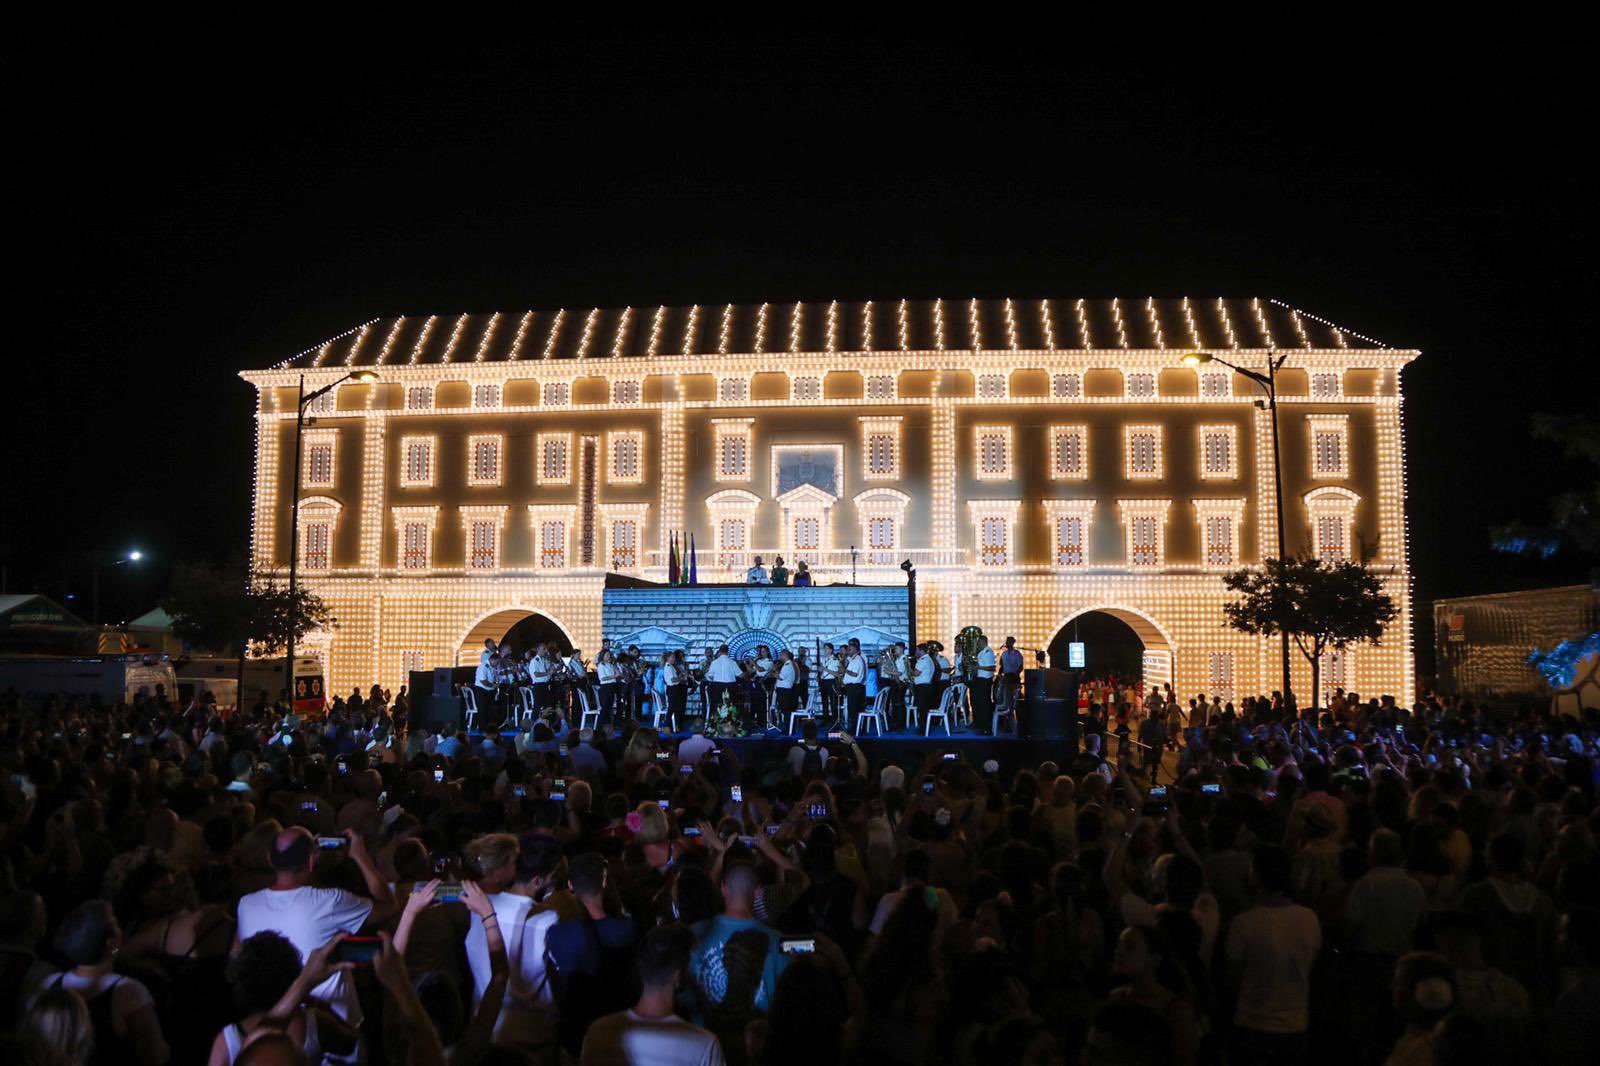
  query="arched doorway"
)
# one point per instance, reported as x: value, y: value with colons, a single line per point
x: 521, y: 627
x: 1116, y: 641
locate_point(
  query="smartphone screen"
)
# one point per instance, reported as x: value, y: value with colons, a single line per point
x: 686, y: 769
x: 1158, y: 792
x: 561, y: 797
x: 519, y: 791
x: 344, y: 767
x: 357, y: 949
x: 330, y: 843
x: 949, y: 756
x: 309, y: 805
x: 927, y: 788
x: 663, y: 755
x: 664, y: 804
x: 738, y: 793
x: 447, y: 893
x: 772, y: 829
x: 438, y: 775
x: 798, y: 945
x: 691, y: 831
x: 1211, y: 789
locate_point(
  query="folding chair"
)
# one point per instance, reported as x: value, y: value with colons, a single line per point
x: 469, y: 700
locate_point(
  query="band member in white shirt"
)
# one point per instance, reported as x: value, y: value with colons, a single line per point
x: 757, y: 574
x: 541, y: 671
x: 854, y: 683
x: 784, y: 687
x: 677, y: 679
x: 608, y: 674
x: 982, y: 691
x: 830, y: 669
x: 483, y: 679
x: 889, y: 677
x: 721, y: 676
x: 923, y: 677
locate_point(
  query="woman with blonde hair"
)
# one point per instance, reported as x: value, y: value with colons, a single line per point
x: 58, y: 1029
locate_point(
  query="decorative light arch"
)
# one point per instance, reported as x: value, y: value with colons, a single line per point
x: 1160, y: 650
x: 496, y: 624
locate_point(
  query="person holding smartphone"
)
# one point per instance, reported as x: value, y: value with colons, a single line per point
x: 309, y: 916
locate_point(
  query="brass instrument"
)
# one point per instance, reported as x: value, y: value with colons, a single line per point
x: 967, y: 646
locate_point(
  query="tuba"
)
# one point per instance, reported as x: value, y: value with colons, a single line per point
x: 967, y: 645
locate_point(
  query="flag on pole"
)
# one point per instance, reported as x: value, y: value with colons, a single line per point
x: 672, y: 561
x: 694, y: 562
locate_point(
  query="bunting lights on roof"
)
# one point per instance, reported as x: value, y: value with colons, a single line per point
x: 1004, y: 324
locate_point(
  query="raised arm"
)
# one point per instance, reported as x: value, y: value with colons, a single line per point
x: 384, y: 904
x: 480, y: 1031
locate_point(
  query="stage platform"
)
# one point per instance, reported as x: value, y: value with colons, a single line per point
x: 904, y: 749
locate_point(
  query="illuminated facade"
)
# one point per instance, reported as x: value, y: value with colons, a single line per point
x: 1035, y: 459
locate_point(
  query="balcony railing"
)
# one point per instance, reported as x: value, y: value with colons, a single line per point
x: 832, y: 564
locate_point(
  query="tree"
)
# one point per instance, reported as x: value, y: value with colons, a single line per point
x: 216, y: 607
x: 1574, y: 515
x: 1319, y: 605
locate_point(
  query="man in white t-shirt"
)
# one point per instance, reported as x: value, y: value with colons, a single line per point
x: 651, y: 1034
x: 1271, y: 948
x: 697, y: 746
x: 527, y: 1017
x: 307, y: 916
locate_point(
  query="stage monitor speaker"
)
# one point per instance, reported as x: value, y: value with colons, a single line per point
x: 1046, y: 684
x: 1048, y: 719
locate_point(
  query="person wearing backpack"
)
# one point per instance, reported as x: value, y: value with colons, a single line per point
x: 590, y: 959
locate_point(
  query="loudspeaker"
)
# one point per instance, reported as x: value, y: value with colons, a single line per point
x: 437, y: 710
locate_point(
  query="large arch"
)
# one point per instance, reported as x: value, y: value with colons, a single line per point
x: 1160, y: 650
x: 496, y: 624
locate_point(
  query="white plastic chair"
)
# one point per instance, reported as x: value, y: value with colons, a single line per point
x: 878, y: 715
x: 913, y: 716
x: 586, y: 710
x: 525, y: 701
x: 469, y: 700
x: 659, y: 710
x: 797, y: 714
x: 941, y: 712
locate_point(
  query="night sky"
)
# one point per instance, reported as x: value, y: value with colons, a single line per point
x: 188, y: 205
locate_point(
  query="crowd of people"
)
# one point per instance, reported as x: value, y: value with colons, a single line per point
x: 1371, y: 884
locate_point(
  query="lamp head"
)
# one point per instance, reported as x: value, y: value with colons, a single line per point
x: 363, y: 375
x: 1196, y: 359
x: 135, y: 555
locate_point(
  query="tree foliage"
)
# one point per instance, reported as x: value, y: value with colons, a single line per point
x: 1574, y: 520
x: 214, y: 606
x: 1319, y: 605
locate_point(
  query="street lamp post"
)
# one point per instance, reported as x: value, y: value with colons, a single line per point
x: 1269, y: 384
x: 94, y: 569
x: 304, y: 398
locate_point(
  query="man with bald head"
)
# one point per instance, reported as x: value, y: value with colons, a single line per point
x: 308, y: 916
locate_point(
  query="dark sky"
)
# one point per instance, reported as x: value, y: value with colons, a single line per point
x: 189, y: 204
